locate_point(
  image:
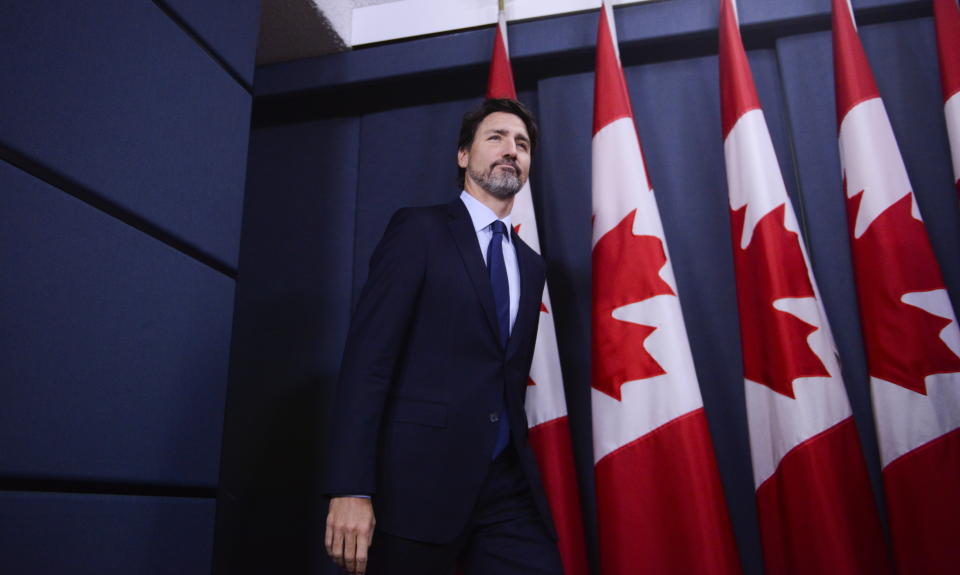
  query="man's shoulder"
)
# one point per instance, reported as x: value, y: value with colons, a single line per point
x: 426, y: 212
x: 423, y: 216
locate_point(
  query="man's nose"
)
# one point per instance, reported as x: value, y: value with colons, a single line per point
x: 509, y: 148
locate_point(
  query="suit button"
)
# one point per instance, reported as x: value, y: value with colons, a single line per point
x: 494, y: 417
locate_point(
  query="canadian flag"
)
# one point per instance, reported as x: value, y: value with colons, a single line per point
x: 947, y: 16
x: 545, y: 405
x: 909, y: 327
x: 660, y: 504
x: 816, y: 508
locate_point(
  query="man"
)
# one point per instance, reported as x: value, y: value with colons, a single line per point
x: 429, y: 440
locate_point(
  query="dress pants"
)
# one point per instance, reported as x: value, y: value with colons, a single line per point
x: 504, y: 536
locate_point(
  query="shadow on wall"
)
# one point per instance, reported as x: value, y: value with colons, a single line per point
x: 290, y: 321
x: 270, y: 513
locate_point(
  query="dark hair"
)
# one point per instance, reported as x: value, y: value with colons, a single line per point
x: 473, y: 118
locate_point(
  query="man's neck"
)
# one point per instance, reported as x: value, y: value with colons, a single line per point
x: 501, y: 207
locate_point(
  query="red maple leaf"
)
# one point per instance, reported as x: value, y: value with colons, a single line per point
x: 774, y: 342
x: 626, y: 269
x: 516, y: 229
x: 893, y: 257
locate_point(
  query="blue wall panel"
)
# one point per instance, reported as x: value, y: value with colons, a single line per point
x: 48, y: 533
x: 115, y: 346
x: 114, y: 96
x: 228, y: 27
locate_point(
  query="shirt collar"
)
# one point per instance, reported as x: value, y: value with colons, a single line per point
x: 481, y: 215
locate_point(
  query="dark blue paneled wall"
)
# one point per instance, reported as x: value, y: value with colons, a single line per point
x: 116, y: 346
x: 227, y: 28
x: 356, y: 135
x: 123, y: 140
x: 53, y: 533
x: 119, y: 99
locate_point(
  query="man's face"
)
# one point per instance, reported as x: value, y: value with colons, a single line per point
x: 498, y: 160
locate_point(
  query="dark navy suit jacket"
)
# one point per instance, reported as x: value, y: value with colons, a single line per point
x: 423, y: 373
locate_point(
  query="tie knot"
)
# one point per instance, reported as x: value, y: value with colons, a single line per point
x: 499, y: 227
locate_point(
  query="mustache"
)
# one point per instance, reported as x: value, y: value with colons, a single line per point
x: 506, y: 162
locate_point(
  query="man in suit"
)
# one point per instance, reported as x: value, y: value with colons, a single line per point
x: 429, y: 464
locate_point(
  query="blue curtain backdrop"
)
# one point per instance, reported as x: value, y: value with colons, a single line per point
x: 340, y: 143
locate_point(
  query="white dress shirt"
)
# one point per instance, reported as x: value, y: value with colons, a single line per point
x: 483, y: 217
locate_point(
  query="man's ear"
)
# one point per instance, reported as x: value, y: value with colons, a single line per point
x: 463, y: 157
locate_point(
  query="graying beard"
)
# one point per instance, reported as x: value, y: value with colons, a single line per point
x: 502, y: 186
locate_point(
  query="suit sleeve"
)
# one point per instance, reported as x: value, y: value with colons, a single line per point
x: 376, y: 338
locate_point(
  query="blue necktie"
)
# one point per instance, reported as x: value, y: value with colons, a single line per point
x: 501, y: 297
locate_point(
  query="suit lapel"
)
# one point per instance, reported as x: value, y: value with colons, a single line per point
x: 527, y: 296
x: 465, y: 237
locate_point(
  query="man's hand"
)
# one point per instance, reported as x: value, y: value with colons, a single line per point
x: 349, y: 532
